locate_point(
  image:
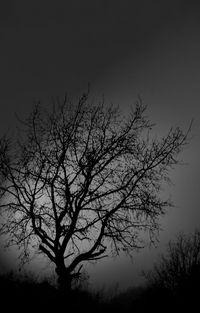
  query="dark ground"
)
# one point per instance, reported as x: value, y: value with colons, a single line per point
x: 29, y: 295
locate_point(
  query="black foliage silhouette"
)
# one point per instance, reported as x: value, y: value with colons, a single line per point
x: 28, y: 294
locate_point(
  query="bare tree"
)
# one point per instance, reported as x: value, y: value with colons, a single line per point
x: 83, y: 181
x: 179, y: 270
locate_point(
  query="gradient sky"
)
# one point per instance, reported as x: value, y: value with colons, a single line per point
x: 123, y: 48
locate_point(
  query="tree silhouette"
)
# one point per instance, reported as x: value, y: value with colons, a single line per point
x: 181, y: 264
x: 82, y: 182
x: 178, y: 272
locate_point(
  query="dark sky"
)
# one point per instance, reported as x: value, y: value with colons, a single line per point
x: 123, y: 48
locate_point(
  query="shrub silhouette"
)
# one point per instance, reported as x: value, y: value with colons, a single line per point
x: 28, y: 294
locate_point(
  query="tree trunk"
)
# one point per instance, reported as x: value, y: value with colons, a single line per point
x: 64, y: 280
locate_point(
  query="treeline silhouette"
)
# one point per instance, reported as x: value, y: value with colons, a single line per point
x: 173, y: 284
